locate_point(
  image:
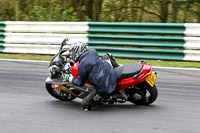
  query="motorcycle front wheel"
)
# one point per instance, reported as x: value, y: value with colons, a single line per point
x: 59, y: 94
x: 147, y: 94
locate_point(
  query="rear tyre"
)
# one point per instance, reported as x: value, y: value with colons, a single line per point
x: 59, y: 94
x: 148, y: 94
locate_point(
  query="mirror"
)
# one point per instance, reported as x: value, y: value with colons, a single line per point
x: 64, y: 42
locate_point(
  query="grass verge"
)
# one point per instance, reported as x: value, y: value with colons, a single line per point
x: 183, y: 64
x: 26, y: 57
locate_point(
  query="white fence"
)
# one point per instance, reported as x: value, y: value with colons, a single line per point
x: 41, y: 37
x: 46, y: 37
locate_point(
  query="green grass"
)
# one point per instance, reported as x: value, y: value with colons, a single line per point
x: 26, y: 57
x: 183, y: 64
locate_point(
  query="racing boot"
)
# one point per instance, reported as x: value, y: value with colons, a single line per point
x: 88, y: 102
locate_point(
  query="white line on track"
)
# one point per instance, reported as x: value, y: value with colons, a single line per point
x: 172, y: 68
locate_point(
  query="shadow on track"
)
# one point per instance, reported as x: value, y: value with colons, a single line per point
x: 75, y: 105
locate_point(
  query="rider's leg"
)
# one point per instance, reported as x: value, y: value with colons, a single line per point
x: 110, y: 59
x: 88, y: 101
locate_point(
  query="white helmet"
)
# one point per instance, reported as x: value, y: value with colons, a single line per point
x: 76, y: 49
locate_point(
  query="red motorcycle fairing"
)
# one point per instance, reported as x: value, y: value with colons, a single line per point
x: 145, y: 71
x: 74, y: 69
x: 131, y: 81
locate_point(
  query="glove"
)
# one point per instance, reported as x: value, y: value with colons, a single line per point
x: 69, y: 77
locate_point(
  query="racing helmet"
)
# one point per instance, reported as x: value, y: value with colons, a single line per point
x: 76, y: 49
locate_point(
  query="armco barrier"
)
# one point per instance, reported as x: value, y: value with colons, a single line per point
x: 164, y: 41
x: 137, y: 28
x: 39, y: 37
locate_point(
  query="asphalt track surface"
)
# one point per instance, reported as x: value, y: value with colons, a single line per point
x: 26, y: 107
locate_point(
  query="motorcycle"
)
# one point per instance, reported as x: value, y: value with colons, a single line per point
x: 135, y: 81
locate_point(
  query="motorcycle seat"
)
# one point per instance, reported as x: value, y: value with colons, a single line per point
x: 127, y: 70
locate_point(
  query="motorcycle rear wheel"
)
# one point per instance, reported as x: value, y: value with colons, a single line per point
x: 63, y: 96
x: 149, y: 94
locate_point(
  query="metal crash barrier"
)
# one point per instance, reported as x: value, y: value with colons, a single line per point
x: 163, y: 41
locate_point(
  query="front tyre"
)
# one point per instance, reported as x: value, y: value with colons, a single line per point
x: 148, y: 94
x: 59, y: 94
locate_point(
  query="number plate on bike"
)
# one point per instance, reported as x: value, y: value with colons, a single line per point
x: 151, y: 79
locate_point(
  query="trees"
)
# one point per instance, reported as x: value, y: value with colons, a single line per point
x: 165, y: 11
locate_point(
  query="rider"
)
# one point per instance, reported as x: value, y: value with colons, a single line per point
x: 98, y: 72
